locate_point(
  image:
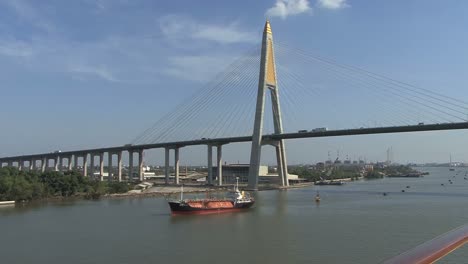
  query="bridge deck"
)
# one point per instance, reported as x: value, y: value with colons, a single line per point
x: 220, y: 141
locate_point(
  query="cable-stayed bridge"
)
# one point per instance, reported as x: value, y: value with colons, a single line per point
x: 242, y: 104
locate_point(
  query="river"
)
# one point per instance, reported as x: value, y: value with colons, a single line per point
x: 353, y: 223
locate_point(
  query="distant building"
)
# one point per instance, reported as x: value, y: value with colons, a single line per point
x: 231, y: 171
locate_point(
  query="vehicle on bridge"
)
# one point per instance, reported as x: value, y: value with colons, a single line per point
x: 319, y: 129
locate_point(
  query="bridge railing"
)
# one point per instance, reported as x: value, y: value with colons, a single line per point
x: 435, y: 249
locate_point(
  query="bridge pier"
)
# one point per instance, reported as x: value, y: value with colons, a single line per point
x: 43, y: 164
x: 119, y: 166
x: 85, y: 165
x: 61, y: 163
x: 91, y: 165
x: 70, y: 164
x: 75, y: 162
x: 56, y: 163
x: 210, y: 164
x: 219, y: 161
x: 176, y: 165
x: 166, y: 165
x: 20, y: 165
x: 140, y: 165
x: 31, y: 164
x: 130, y: 166
x: 101, y: 166
x: 109, y: 167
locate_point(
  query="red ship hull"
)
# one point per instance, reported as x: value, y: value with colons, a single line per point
x: 207, y: 207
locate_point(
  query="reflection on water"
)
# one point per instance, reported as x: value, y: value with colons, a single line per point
x: 353, y: 223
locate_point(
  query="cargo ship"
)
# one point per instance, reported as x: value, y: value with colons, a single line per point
x: 236, y: 201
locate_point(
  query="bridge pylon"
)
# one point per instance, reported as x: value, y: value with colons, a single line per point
x: 267, y: 82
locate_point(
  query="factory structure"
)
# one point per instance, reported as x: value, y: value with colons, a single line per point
x: 232, y: 171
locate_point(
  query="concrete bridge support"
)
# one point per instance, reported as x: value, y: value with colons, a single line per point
x: 101, y: 166
x: 130, y: 166
x: 20, y: 165
x: 70, y: 163
x: 176, y: 165
x: 109, y: 167
x: 166, y: 165
x: 91, y: 165
x: 219, y: 161
x: 119, y: 166
x: 62, y: 163
x: 56, y: 163
x: 32, y: 164
x: 75, y: 162
x: 210, y: 164
x: 140, y: 165
x: 43, y: 164
x: 85, y: 165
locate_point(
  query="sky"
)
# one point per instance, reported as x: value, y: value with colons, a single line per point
x: 96, y: 73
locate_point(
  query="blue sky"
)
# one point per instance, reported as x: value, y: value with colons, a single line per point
x: 91, y: 73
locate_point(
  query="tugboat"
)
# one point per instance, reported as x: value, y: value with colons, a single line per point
x: 236, y: 201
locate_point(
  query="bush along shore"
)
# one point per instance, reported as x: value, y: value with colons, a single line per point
x: 32, y: 185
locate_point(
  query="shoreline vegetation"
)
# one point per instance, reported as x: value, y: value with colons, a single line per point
x: 24, y: 186
x: 351, y: 173
x: 20, y: 186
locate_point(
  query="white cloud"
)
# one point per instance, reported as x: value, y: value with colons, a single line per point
x: 285, y: 8
x: 98, y: 71
x: 179, y: 27
x: 197, y: 67
x: 333, y: 4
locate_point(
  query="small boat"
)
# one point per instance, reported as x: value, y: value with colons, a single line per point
x: 451, y: 169
x: 236, y: 201
x: 7, y: 202
x: 317, y: 198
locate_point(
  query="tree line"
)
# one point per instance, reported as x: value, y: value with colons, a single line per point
x: 32, y: 185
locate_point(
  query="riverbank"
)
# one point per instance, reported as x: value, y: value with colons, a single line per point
x: 172, y: 190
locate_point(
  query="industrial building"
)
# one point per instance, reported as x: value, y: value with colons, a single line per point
x: 231, y: 171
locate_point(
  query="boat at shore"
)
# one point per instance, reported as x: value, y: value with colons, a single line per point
x: 236, y: 201
x: 7, y: 203
x: 409, y: 175
x: 324, y: 182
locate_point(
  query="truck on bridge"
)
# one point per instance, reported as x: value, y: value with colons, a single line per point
x: 319, y: 129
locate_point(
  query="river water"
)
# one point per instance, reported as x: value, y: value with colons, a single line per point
x: 353, y: 223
